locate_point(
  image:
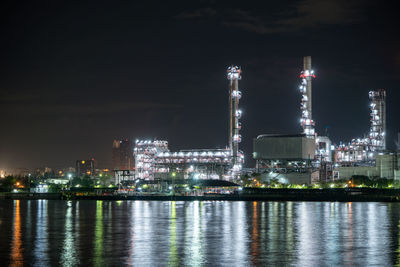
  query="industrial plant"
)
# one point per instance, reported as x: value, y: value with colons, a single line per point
x: 299, y: 158
x: 309, y: 158
x: 154, y: 160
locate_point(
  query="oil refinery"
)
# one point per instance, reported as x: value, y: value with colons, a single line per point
x: 300, y: 158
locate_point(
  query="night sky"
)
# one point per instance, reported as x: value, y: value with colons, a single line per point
x: 74, y: 76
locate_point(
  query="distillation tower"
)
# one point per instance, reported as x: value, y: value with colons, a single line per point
x: 377, y: 134
x: 306, y: 120
x: 234, y: 75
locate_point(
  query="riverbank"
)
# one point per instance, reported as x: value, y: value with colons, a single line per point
x: 247, y: 194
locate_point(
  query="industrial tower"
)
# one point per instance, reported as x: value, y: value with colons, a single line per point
x: 377, y: 134
x: 234, y: 75
x: 306, y: 120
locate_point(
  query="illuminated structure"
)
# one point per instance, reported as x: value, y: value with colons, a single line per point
x: 145, y: 153
x: 155, y: 161
x: 195, y: 164
x: 323, y: 149
x: 358, y: 150
x: 378, y: 120
x: 287, y: 158
x: 365, y: 149
x: 306, y: 120
x: 234, y: 75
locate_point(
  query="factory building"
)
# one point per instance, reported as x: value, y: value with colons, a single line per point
x: 287, y: 158
x: 386, y: 166
x: 270, y: 147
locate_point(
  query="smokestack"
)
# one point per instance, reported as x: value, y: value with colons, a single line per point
x: 306, y: 120
x: 307, y: 63
x: 234, y: 75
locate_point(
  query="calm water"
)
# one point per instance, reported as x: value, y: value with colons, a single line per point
x: 152, y: 233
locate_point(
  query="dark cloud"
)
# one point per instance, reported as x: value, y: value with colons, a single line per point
x: 316, y: 13
x: 304, y: 14
x: 44, y: 109
x: 197, y: 13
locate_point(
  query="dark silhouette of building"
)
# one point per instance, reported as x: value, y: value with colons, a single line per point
x: 122, y: 154
x: 85, y: 167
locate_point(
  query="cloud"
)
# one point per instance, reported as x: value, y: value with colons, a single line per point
x: 303, y: 14
x: 198, y: 13
x: 308, y: 14
x: 18, y: 105
x: 315, y: 13
x: 7, y: 97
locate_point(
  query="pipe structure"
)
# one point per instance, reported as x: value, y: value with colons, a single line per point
x: 306, y: 120
x: 377, y: 134
x: 234, y: 75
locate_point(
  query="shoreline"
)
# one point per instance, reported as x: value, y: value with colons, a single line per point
x: 248, y: 194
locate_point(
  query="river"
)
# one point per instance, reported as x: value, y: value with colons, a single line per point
x: 198, y: 233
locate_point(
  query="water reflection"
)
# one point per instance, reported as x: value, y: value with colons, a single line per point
x: 254, y: 236
x: 98, y: 239
x: 16, y: 251
x: 200, y: 233
x: 69, y: 255
x: 397, y: 258
x: 349, y: 241
x: 173, y: 259
x: 194, y: 234
x: 41, y: 242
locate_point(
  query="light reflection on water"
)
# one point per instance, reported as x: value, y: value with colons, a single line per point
x: 41, y: 245
x: 98, y: 248
x: 163, y: 233
x: 16, y: 248
x: 69, y: 255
